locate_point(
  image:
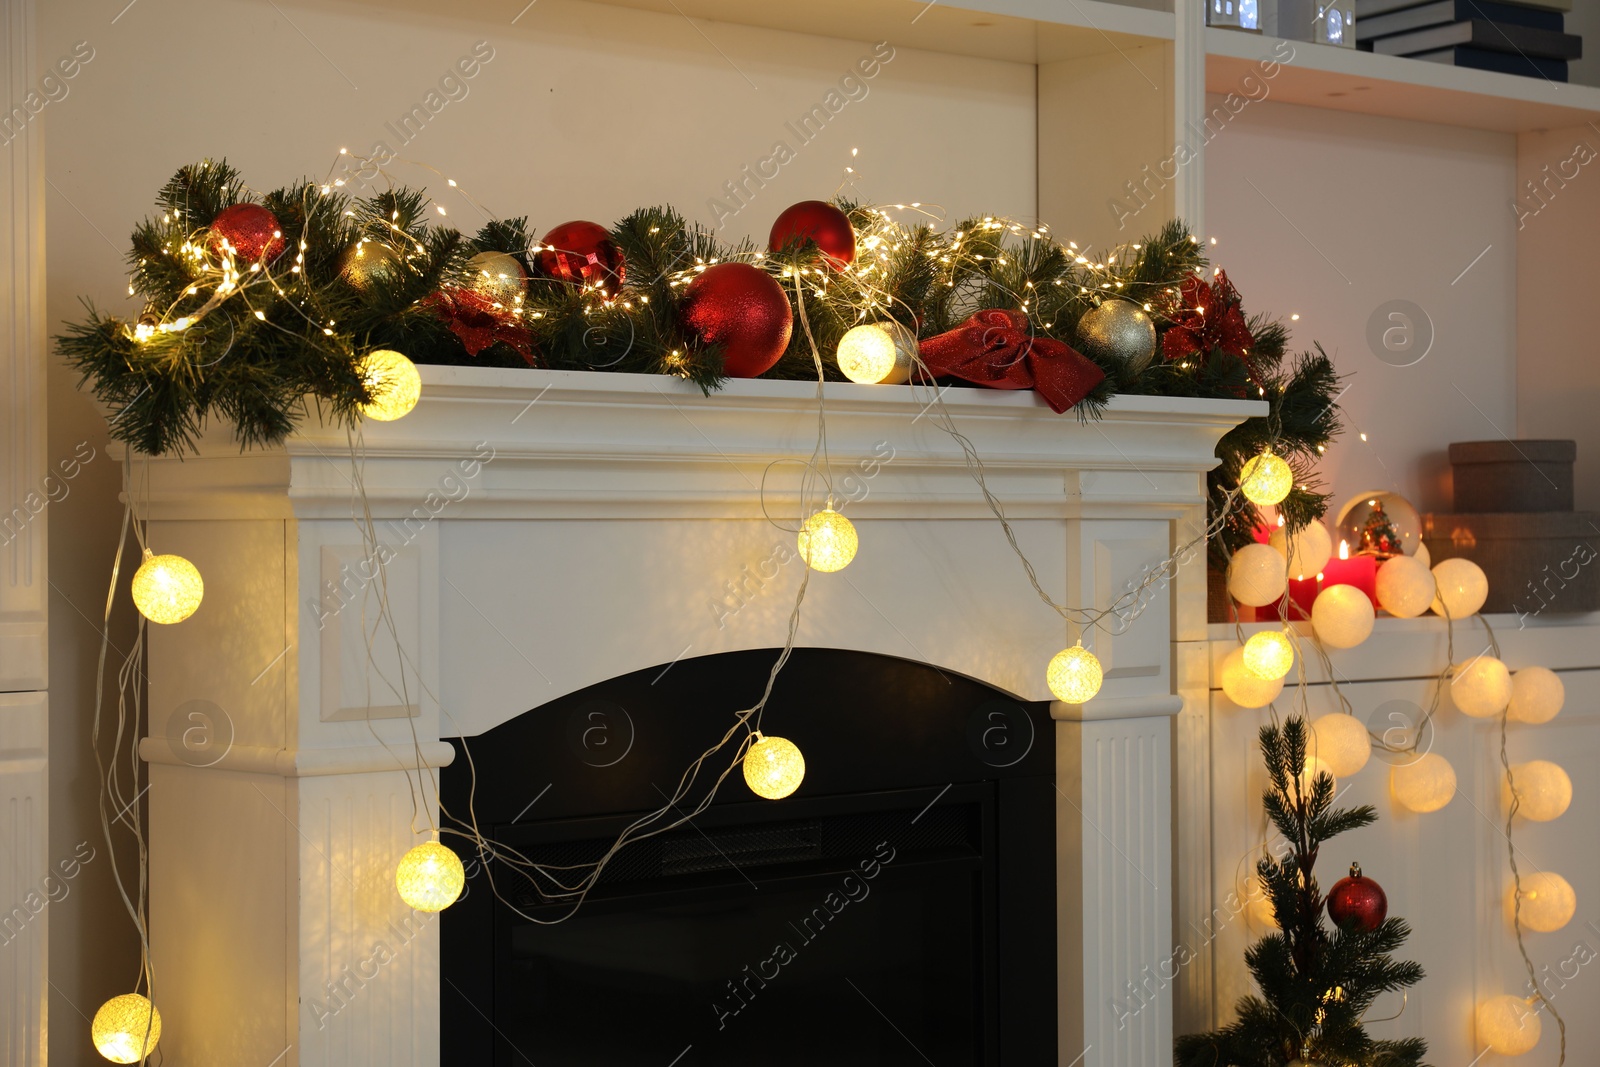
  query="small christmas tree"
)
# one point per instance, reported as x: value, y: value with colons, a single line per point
x: 1315, y: 983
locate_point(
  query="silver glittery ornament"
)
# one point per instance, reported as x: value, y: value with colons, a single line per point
x: 1118, y: 330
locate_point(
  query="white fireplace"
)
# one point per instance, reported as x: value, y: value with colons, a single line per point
x: 546, y: 531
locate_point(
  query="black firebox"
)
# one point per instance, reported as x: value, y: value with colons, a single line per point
x: 899, y: 908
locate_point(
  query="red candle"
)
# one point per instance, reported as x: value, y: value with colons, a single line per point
x: 1302, y: 593
x: 1359, y: 571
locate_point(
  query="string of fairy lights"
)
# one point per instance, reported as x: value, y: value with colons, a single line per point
x: 167, y: 589
x: 1421, y: 780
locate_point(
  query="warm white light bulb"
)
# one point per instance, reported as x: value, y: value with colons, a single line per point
x: 1462, y: 588
x: 126, y: 1028
x: 1341, y: 741
x: 167, y: 589
x: 1548, y: 901
x: 773, y: 767
x: 1074, y: 675
x: 877, y: 353
x: 1268, y: 654
x: 1244, y: 688
x: 394, y: 383
x: 828, y: 541
x: 1481, y: 688
x: 1543, y: 790
x: 1257, y: 576
x: 1536, y: 695
x: 1342, y: 616
x: 1426, y: 784
x: 1508, y: 1025
x: 1266, y: 479
x: 430, y: 877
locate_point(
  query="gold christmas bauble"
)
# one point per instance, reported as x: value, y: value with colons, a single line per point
x: 126, y: 1028
x: 369, y: 265
x: 1118, y: 331
x: 497, y: 276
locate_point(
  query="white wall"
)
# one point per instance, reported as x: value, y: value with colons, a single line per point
x: 1348, y: 212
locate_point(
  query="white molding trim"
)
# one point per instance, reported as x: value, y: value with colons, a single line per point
x: 305, y: 762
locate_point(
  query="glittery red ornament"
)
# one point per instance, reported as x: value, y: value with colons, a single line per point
x: 1357, y: 901
x: 743, y: 309
x: 251, y: 230
x: 821, y: 222
x: 583, y: 253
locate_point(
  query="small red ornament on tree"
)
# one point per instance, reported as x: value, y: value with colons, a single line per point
x: 250, y: 230
x: 743, y: 309
x: 583, y: 253
x: 821, y: 222
x: 1357, y: 901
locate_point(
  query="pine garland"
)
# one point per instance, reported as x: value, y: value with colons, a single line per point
x: 1315, y: 983
x: 254, y: 346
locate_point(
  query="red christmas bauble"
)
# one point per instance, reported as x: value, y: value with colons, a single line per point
x: 821, y: 222
x: 583, y: 253
x: 1357, y: 901
x: 743, y: 309
x: 251, y: 230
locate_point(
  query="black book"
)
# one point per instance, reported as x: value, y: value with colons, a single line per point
x: 1366, y: 9
x: 1502, y: 62
x: 1481, y: 33
x: 1441, y: 12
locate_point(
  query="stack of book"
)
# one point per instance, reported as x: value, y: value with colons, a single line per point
x: 1512, y: 36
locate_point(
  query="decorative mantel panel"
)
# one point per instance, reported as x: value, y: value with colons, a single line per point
x: 544, y: 531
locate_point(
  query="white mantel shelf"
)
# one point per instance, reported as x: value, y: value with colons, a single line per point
x: 552, y: 530
x: 588, y: 443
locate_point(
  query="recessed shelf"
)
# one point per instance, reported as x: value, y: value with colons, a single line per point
x: 1025, y: 31
x: 1342, y: 79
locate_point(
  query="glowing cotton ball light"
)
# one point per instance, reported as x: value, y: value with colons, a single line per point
x: 773, y: 767
x: 1266, y: 479
x: 430, y: 877
x: 126, y: 1028
x: 167, y: 589
x: 1074, y: 675
x: 1536, y: 695
x: 1462, y: 588
x: 1508, y: 1025
x: 1543, y: 790
x: 1404, y: 587
x: 1425, y: 785
x: 877, y: 353
x: 1268, y: 654
x: 1257, y: 576
x: 1312, y: 548
x: 1342, y: 742
x: 1342, y: 616
x: 828, y: 541
x: 1481, y: 688
x: 1548, y: 902
x: 1244, y: 688
x: 394, y: 383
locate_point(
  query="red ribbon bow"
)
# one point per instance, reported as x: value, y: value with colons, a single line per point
x: 479, y: 322
x: 999, y: 349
